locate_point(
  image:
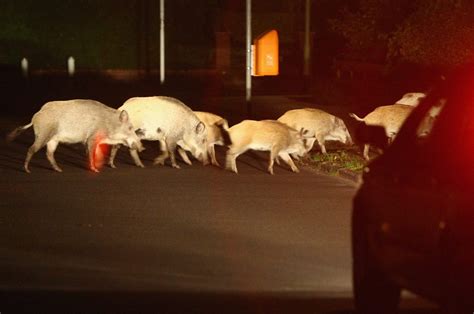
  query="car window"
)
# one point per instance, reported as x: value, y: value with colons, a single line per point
x: 439, y: 132
x: 428, y: 133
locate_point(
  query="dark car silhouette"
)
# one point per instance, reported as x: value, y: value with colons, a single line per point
x: 413, y: 216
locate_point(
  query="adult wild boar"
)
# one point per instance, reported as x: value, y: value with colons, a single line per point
x: 324, y: 126
x: 265, y: 135
x: 391, y: 118
x: 169, y: 121
x: 217, y: 134
x: 78, y: 121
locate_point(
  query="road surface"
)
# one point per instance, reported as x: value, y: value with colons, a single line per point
x: 198, y: 239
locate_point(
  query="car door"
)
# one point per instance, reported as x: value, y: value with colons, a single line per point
x: 458, y: 239
x: 408, y: 208
x: 458, y: 244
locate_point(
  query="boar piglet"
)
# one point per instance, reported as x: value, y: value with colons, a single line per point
x: 169, y: 121
x: 324, y: 126
x: 265, y: 135
x: 391, y: 118
x: 78, y: 121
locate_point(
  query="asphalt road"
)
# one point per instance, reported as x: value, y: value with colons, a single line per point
x: 161, y: 240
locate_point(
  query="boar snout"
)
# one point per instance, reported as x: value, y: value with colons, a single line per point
x: 202, y: 157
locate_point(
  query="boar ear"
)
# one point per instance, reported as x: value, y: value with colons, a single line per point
x: 200, y: 128
x: 123, y: 116
x: 140, y: 132
x: 304, y: 132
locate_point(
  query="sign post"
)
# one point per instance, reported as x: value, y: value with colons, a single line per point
x: 248, y: 80
x: 162, y: 41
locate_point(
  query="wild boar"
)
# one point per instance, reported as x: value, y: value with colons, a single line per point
x: 266, y: 135
x: 322, y: 125
x: 169, y: 121
x: 217, y: 133
x: 78, y: 121
x: 391, y: 118
x: 411, y: 99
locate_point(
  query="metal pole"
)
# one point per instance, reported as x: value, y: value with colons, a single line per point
x: 248, y: 81
x: 307, y: 47
x: 162, y: 41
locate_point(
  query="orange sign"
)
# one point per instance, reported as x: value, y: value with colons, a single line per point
x: 265, y: 54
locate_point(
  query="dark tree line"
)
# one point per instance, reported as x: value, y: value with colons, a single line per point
x: 436, y: 33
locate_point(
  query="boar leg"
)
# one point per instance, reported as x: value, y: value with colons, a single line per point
x: 277, y: 160
x: 40, y: 141
x: 136, y: 158
x: 31, y: 151
x: 167, y: 151
x: 184, y: 156
x: 133, y: 153
x: 309, y: 143
x: 391, y: 138
x: 91, y: 147
x: 160, y: 160
x: 270, y: 164
x: 294, y: 156
x: 273, y: 156
x: 50, y: 149
x: 172, y: 148
x: 212, y: 153
x: 366, y: 151
x: 231, y: 156
x: 286, y: 158
x: 113, y: 153
x: 321, y: 144
x: 323, y: 149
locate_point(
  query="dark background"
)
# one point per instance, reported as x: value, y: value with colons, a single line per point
x: 116, y: 48
x: 364, y: 53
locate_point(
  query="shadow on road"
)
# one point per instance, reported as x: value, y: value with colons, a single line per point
x: 174, y: 302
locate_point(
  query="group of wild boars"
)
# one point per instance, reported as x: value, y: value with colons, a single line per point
x: 78, y: 121
x: 266, y: 135
x: 169, y: 121
x: 176, y: 127
x: 390, y: 117
x: 324, y: 126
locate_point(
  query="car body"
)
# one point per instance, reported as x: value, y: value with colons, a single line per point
x: 413, y: 215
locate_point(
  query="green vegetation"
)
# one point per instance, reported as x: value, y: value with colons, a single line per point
x: 335, y: 161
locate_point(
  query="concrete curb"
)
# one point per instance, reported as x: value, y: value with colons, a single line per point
x: 355, y: 177
x: 342, y: 172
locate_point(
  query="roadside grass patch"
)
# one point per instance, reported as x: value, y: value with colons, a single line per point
x: 337, y: 161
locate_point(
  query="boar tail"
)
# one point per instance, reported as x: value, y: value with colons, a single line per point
x: 224, y: 127
x: 353, y: 115
x: 13, y: 134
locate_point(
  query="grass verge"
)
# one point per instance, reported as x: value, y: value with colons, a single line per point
x: 339, y: 162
